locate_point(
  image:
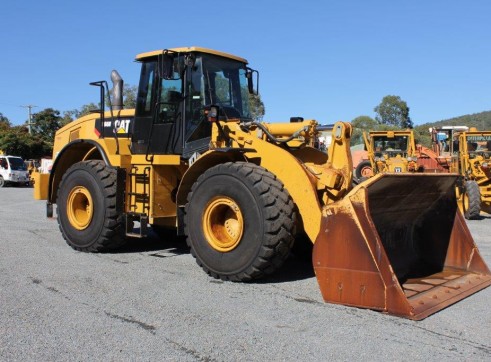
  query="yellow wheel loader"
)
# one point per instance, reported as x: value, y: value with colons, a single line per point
x: 191, y: 157
x: 466, y: 152
x: 389, y: 151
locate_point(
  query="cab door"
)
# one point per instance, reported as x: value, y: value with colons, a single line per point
x: 157, y: 128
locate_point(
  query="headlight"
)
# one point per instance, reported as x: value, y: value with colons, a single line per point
x: 484, y: 165
x: 382, y: 159
x: 377, y: 159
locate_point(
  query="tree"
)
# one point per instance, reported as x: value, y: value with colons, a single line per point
x: 256, y: 107
x: 362, y: 124
x: 4, y: 122
x: 17, y: 141
x: 129, y: 100
x: 46, y: 123
x: 129, y: 96
x: 393, y: 111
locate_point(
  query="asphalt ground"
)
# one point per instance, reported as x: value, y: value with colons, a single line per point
x: 151, y: 301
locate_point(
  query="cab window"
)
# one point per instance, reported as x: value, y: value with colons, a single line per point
x: 145, y: 89
x: 170, y: 99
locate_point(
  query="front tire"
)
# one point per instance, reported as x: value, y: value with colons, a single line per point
x: 2, y: 182
x: 363, y: 171
x: 239, y: 222
x: 471, y: 200
x: 86, y: 202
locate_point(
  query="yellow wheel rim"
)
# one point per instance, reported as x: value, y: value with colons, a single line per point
x: 366, y: 171
x: 223, y: 224
x: 462, y: 201
x: 80, y: 207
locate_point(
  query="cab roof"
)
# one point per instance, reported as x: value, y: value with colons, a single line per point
x: 154, y: 53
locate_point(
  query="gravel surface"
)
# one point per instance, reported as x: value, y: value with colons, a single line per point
x: 151, y: 301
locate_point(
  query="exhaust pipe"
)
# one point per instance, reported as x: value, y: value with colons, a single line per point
x: 117, y: 91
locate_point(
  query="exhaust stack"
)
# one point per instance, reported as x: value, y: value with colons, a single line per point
x: 117, y: 91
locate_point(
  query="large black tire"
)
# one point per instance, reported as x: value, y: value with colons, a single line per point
x: 363, y: 171
x: 239, y: 222
x: 86, y: 210
x: 471, y: 200
x: 2, y: 182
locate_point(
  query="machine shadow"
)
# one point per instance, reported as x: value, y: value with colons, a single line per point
x: 153, y: 242
x: 298, y: 265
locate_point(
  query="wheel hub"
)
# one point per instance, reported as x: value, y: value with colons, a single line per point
x: 223, y: 224
x: 80, y: 207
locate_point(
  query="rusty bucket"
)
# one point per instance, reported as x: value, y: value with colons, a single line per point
x: 398, y: 244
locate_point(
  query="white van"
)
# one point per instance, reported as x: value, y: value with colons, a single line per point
x: 13, y: 171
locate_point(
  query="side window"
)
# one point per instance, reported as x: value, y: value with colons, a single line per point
x: 222, y: 88
x: 145, y: 89
x: 170, y: 99
x: 196, y: 96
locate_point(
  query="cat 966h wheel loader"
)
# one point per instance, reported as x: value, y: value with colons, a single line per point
x: 191, y: 157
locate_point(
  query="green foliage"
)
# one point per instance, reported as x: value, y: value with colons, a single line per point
x: 15, y: 140
x: 422, y: 136
x: 256, y: 107
x: 365, y: 124
x: 481, y: 121
x: 18, y: 142
x: 393, y: 111
x: 4, y: 122
x: 86, y: 109
x: 362, y: 124
x: 46, y: 123
x: 129, y: 96
x: 129, y: 100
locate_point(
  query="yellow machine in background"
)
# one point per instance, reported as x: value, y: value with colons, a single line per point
x: 467, y: 152
x: 390, y: 151
x: 191, y: 157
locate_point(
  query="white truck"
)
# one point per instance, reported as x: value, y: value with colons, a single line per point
x: 13, y: 171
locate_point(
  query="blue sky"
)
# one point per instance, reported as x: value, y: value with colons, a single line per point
x: 323, y: 60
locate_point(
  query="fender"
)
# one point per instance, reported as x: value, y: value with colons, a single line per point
x: 285, y: 166
x: 71, y: 153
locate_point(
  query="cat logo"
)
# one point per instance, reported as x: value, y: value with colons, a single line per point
x: 122, y: 125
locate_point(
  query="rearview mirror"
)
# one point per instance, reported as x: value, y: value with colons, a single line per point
x: 250, y: 81
x: 166, y: 66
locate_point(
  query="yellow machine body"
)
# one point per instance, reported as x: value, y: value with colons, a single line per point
x: 243, y: 194
x: 391, y: 151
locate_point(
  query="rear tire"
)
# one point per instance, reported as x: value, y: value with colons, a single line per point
x: 471, y: 200
x: 363, y: 171
x: 239, y: 222
x: 86, y: 202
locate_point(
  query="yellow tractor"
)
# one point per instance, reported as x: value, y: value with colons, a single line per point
x: 191, y: 157
x: 467, y: 152
x: 388, y: 151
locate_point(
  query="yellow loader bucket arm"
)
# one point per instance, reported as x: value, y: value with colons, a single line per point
x: 398, y: 244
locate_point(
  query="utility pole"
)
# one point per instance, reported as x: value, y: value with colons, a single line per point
x: 29, y: 122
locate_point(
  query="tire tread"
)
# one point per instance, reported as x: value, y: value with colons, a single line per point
x: 279, y: 215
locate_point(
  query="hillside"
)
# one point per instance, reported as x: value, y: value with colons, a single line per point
x: 482, y: 121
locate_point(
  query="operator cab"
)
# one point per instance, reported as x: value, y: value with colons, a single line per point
x: 390, y: 145
x: 177, y: 88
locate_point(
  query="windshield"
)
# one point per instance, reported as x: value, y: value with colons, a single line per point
x: 225, y: 85
x: 477, y: 144
x: 386, y: 144
x: 16, y: 164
